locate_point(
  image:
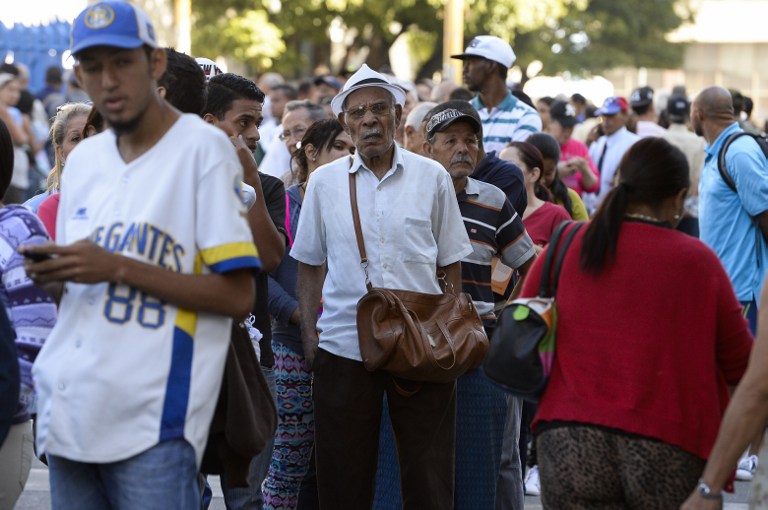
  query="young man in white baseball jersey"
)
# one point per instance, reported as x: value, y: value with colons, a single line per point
x: 154, y: 254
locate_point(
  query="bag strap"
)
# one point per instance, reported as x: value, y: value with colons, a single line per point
x: 544, y: 289
x: 358, y: 229
x: 288, y: 219
x: 548, y: 288
x: 561, y: 255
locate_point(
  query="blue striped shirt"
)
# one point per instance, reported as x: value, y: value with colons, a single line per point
x: 495, y: 229
x: 512, y: 120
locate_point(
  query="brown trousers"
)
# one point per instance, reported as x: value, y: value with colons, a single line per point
x: 348, y: 403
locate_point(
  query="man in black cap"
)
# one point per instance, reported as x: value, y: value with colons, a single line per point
x: 452, y: 139
x: 678, y: 134
x: 641, y: 102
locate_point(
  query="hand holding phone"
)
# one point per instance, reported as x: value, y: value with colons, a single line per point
x: 37, y: 257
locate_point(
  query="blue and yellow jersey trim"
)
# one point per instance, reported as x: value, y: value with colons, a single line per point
x: 228, y: 257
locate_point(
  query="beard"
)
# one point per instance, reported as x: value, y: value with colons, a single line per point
x: 124, y: 127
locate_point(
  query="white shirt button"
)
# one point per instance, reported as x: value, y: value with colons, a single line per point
x: 78, y: 343
x: 62, y: 386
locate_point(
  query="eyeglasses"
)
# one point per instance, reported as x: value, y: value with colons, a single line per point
x: 376, y: 109
x: 298, y: 133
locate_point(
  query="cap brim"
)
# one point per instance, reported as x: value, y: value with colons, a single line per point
x: 337, y: 104
x: 462, y: 56
x: 464, y: 118
x: 606, y: 111
x: 114, y: 41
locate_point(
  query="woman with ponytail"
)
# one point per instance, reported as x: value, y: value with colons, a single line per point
x: 563, y: 195
x: 323, y: 142
x: 649, y: 336
x: 541, y: 216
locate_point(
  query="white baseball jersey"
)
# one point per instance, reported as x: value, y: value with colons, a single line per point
x: 123, y: 370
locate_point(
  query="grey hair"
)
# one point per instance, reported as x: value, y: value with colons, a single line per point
x: 316, y: 112
x: 417, y: 114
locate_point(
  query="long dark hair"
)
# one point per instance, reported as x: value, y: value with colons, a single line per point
x: 321, y: 136
x: 651, y: 171
x: 550, y: 149
x: 532, y: 158
x: 6, y: 159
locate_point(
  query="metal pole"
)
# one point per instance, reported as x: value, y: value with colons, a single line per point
x: 453, y: 39
x: 183, y: 15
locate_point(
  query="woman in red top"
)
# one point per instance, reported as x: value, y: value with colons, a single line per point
x: 650, y: 335
x: 541, y: 216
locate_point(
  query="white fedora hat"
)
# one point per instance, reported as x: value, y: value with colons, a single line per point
x: 365, y: 77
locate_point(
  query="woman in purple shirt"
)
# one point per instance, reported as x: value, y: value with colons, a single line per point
x: 32, y: 314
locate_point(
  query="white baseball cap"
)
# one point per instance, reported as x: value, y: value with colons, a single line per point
x: 365, y: 77
x: 489, y: 47
x: 209, y: 67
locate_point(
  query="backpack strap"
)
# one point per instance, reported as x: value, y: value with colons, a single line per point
x: 544, y: 290
x: 763, y: 144
x: 721, y: 167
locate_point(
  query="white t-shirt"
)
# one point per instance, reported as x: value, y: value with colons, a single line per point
x: 122, y: 370
x: 411, y: 225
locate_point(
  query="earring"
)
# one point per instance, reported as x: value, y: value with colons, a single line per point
x: 677, y: 217
x: 314, y: 159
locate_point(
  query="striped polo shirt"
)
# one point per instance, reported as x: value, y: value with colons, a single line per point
x: 494, y: 228
x: 512, y: 120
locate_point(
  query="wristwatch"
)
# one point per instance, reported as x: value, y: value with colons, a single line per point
x: 707, y: 493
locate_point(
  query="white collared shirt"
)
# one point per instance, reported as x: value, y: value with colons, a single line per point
x: 411, y: 225
x: 618, y: 143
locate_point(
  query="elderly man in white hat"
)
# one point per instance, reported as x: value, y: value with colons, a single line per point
x: 412, y: 229
x: 505, y: 118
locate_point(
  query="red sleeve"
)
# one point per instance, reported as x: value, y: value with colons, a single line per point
x: 47, y: 214
x: 592, y: 167
x: 533, y: 278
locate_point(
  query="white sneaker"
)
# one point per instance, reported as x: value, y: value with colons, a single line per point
x: 532, y: 483
x: 746, y: 469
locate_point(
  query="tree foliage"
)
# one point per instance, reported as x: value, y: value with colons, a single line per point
x: 581, y: 36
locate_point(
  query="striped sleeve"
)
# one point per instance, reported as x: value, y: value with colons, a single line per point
x: 512, y: 239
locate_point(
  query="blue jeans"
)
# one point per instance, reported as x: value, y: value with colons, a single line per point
x: 163, y: 477
x: 510, y: 491
x: 249, y: 498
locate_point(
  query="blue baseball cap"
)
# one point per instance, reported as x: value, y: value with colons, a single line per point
x: 112, y: 23
x: 612, y: 106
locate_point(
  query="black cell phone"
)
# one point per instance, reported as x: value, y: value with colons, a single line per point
x: 37, y: 257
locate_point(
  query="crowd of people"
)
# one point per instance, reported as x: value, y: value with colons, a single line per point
x: 181, y: 198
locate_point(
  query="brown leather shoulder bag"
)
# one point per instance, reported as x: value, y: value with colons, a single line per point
x: 414, y: 335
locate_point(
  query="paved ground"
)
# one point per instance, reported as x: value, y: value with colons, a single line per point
x: 36, y: 495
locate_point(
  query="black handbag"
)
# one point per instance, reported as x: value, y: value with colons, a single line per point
x: 245, y: 418
x: 522, y: 347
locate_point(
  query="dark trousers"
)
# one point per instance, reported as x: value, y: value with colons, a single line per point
x: 348, y: 404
